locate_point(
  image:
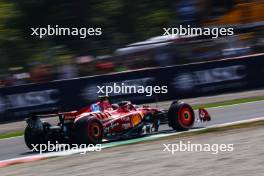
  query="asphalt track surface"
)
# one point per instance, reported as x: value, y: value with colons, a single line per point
x: 15, y: 147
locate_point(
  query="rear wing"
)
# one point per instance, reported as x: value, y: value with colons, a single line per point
x: 34, y: 120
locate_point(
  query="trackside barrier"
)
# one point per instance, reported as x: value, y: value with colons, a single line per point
x: 183, y: 81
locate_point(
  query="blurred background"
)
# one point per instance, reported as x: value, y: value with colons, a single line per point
x: 132, y: 36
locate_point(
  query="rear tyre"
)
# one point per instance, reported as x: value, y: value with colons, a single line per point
x: 33, y: 137
x: 181, y: 116
x: 88, y: 131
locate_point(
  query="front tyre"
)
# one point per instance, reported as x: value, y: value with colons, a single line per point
x: 181, y: 116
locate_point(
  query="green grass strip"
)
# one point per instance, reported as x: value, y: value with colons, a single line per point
x: 12, y: 134
x: 229, y: 102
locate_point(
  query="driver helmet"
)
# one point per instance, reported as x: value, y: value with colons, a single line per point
x: 104, y: 102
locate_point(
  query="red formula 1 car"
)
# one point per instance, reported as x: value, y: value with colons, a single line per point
x: 103, y: 120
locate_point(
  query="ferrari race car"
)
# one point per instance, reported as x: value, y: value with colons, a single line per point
x: 103, y: 120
